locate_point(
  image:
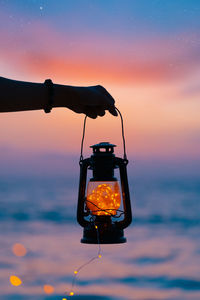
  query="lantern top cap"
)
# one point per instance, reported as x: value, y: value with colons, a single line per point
x: 103, y: 145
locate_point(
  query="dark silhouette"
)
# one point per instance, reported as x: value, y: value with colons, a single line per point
x: 22, y: 96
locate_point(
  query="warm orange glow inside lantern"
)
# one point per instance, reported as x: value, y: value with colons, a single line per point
x: 103, y: 198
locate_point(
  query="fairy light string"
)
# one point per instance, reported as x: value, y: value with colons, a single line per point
x: 99, y: 251
x: 107, y: 210
x: 97, y: 256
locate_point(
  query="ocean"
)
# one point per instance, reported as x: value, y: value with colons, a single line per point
x: 161, y: 259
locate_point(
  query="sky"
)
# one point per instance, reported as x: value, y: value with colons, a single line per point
x: 145, y: 53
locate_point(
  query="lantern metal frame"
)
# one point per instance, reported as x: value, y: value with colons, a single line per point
x: 103, y: 229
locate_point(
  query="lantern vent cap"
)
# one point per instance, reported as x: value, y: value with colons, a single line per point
x: 103, y: 145
x: 106, y: 146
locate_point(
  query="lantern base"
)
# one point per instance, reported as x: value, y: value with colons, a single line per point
x: 103, y: 235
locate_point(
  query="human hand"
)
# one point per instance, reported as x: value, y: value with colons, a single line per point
x: 92, y: 101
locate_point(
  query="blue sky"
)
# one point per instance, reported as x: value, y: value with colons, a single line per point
x: 127, y: 17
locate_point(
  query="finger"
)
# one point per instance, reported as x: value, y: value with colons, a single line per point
x: 96, y: 110
x: 92, y: 115
x: 100, y: 110
x: 111, y: 103
x: 102, y: 113
x: 113, y: 111
x: 90, y: 112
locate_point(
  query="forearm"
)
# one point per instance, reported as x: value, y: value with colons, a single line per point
x: 21, y: 96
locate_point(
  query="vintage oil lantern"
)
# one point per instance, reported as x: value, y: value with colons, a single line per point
x: 104, y: 207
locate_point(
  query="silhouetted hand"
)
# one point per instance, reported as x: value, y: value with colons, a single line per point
x: 92, y: 101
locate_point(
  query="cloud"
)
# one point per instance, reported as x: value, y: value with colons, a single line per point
x: 191, y: 90
x: 38, y: 50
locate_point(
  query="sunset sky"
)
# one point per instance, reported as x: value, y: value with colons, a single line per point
x: 146, y: 53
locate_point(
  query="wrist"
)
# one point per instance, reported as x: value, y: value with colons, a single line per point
x: 63, y: 95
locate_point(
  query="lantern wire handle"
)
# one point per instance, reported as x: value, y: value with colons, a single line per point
x: 82, y: 141
x: 123, y: 136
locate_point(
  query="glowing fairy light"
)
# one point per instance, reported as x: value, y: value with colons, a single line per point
x: 15, y: 280
x: 19, y: 250
x: 99, y: 255
x: 105, y: 196
x: 48, y: 289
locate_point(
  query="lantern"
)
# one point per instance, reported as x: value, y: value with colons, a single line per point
x: 104, y: 207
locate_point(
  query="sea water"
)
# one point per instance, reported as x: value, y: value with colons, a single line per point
x: 161, y: 259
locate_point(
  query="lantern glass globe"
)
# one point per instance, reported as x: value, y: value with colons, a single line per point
x: 103, y: 197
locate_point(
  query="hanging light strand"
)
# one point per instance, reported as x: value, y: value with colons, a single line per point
x: 97, y: 256
x: 107, y: 210
x: 99, y: 252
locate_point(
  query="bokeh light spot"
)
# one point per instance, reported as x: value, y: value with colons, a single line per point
x: 48, y: 289
x: 19, y: 250
x: 14, y: 280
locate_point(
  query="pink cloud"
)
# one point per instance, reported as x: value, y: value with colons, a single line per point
x: 40, y: 51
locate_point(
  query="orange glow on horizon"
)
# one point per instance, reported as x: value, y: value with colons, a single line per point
x: 83, y: 62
